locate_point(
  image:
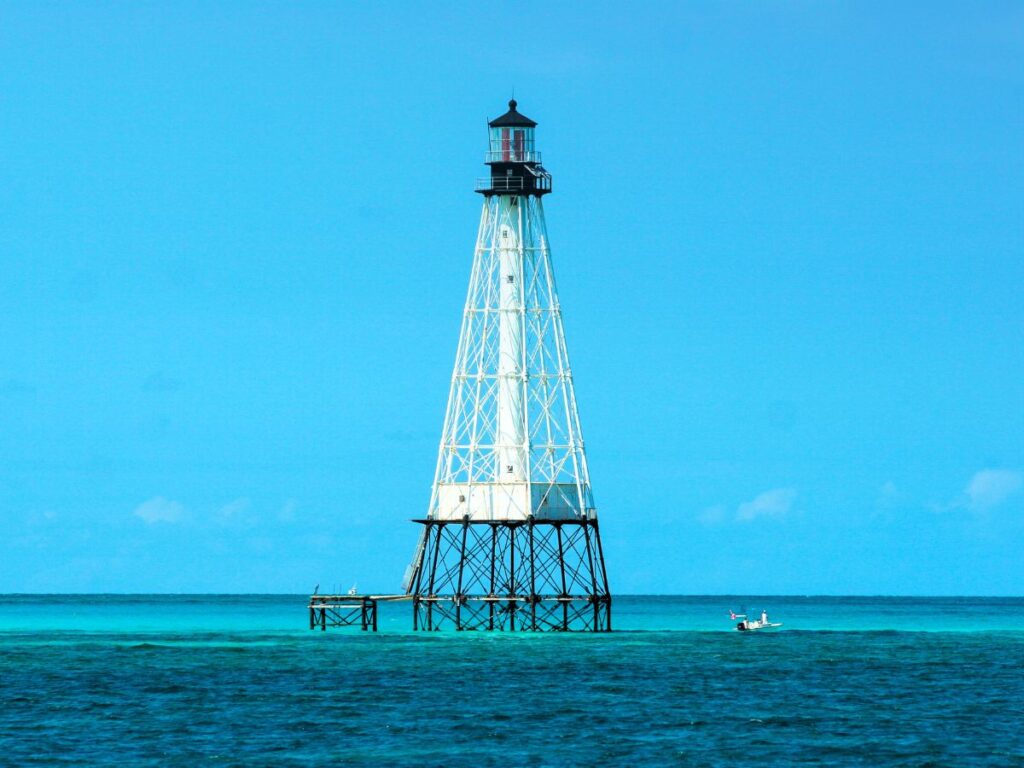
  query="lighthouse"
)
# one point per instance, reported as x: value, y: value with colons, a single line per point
x: 510, y: 539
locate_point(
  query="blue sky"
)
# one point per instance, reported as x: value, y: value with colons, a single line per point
x: 235, y: 240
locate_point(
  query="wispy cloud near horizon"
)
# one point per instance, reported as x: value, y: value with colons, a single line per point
x: 989, y: 488
x: 774, y: 503
x: 160, y: 510
x: 233, y: 509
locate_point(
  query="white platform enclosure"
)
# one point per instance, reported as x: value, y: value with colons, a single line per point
x: 510, y: 538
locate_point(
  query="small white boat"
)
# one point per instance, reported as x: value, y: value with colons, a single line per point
x: 749, y: 625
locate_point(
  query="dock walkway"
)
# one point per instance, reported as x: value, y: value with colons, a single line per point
x: 347, y: 610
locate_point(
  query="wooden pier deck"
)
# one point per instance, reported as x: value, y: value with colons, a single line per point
x: 347, y: 610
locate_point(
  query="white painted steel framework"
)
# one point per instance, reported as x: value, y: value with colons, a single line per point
x: 511, y: 446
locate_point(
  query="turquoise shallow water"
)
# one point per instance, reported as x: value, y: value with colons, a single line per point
x: 240, y: 680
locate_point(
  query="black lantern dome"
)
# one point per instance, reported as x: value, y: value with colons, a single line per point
x: 512, y: 119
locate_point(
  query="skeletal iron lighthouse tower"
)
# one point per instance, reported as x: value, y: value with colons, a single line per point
x: 510, y: 539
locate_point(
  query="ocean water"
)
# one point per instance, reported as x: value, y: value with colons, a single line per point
x: 241, y: 680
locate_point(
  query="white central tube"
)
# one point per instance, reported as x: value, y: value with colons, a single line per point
x: 511, y: 440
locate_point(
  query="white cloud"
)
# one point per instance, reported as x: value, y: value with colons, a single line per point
x: 774, y: 503
x: 991, y: 487
x: 160, y: 510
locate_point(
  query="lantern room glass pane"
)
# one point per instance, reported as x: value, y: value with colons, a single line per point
x: 511, y: 145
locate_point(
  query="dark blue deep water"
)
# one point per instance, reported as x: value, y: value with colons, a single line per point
x: 240, y: 680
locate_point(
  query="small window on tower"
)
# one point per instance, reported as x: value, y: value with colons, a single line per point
x: 510, y: 278
x: 461, y: 498
x: 508, y: 468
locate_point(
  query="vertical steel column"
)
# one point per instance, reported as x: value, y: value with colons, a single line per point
x: 512, y: 577
x: 416, y: 603
x: 494, y: 552
x: 533, y: 583
x: 561, y: 567
x: 604, y: 575
x: 462, y: 566
x: 433, y: 572
x: 593, y: 574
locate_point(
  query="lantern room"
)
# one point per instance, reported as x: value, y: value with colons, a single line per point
x: 511, y: 138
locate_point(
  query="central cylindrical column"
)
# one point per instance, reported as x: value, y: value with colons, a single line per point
x: 511, y: 465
